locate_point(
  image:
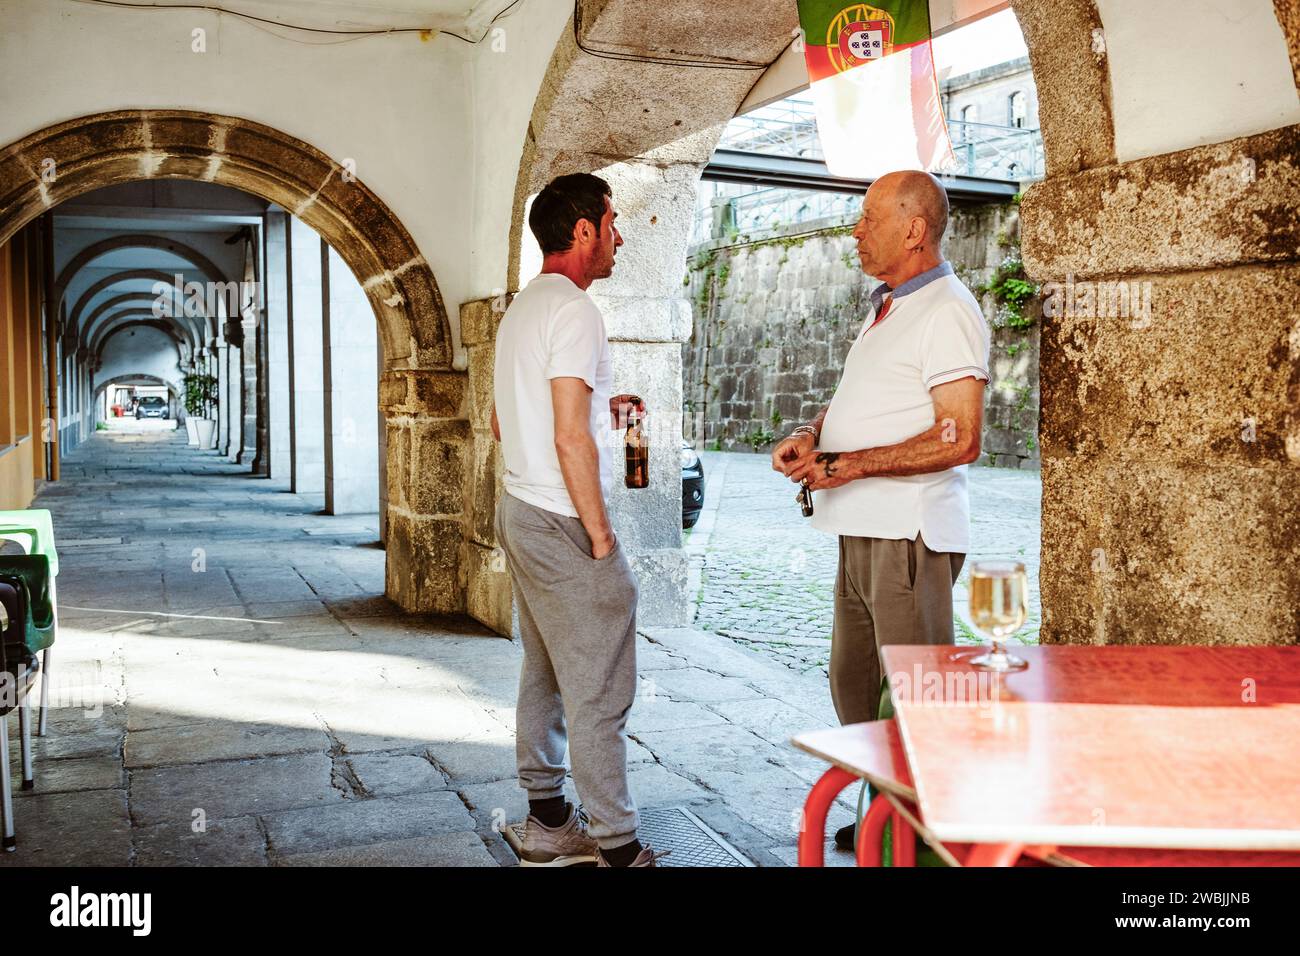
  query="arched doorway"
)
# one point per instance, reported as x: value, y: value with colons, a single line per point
x: 420, y: 394
x: 1130, y: 416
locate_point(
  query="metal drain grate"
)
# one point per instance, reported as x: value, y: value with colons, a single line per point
x: 692, y: 841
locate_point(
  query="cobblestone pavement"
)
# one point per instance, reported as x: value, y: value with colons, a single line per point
x: 763, y: 577
x: 230, y: 687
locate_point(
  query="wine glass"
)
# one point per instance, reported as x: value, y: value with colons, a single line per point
x: 999, y: 604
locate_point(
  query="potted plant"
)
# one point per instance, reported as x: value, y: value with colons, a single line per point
x: 200, y: 393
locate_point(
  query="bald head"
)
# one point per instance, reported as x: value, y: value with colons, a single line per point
x: 904, y: 215
x: 910, y: 193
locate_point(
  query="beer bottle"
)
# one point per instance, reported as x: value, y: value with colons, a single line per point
x: 636, y: 454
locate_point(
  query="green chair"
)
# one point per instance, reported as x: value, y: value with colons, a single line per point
x: 33, y: 528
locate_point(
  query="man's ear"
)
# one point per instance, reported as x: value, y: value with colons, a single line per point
x: 916, y: 233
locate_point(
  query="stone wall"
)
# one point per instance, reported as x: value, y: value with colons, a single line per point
x: 773, y: 320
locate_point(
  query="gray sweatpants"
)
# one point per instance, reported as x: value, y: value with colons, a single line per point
x: 577, y: 622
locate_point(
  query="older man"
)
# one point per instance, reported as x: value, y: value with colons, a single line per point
x: 886, y: 459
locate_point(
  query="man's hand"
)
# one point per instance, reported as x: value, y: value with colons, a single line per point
x: 604, y: 546
x: 620, y: 407
x: 789, y: 450
x: 822, y: 469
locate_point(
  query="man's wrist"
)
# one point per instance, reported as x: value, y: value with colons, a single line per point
x: 805, y: 430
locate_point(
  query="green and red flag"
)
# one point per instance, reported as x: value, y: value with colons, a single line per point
x: 874, y: 87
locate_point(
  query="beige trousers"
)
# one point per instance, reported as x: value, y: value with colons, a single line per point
x: 887, y: 591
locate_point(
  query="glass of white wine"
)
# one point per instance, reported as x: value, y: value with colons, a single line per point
x: 999, y: 604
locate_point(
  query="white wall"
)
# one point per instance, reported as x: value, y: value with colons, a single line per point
x: 398, y: 105
x: 1188, y: 72
x: 504, y: 90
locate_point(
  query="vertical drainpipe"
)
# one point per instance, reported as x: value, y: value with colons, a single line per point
x: 51, y: 345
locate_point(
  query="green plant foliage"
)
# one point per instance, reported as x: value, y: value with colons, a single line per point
x: 1011, y: 290
x: 200, y: 392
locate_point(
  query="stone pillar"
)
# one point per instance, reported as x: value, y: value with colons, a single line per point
x: 648, y: 320
x: 277, y: 332
x: 488, y: 593
x: 381, y: 439
x: 247, y: 423
x: 428, y: 443
x: 261, y: 424
x: 1171, y: 395
x: 351, y: 394
x: 306, y: 375
x: 233, y: 410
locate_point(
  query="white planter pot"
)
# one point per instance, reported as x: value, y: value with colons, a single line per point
x: 192, y: 430
x: 207, y: 429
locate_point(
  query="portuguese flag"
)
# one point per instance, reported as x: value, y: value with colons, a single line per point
x: 874, y: 87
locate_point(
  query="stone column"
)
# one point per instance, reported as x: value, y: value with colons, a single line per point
x: 648, y: 320
x: 428, y: 443
x: 1170, y: 424
x: 488, y: 593
x: 277, y: 332
x: 306, y: 374
x: 246, y: 429
x: 351, y: 394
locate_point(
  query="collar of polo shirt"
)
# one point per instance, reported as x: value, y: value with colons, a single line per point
x: 911, y: 285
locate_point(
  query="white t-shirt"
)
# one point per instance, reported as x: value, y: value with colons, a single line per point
x: 551, y: 330
x: 931, y: 335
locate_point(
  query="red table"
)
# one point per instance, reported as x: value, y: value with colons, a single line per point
x: 1190, y: 754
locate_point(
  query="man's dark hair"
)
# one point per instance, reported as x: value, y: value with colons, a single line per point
x: 559, y: 206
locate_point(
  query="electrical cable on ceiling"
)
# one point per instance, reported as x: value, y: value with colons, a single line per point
x: 352, y: 34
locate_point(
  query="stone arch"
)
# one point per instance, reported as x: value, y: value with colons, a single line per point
x: 126, y: 275
x: 646, y: 125
x: 103, y: 316
x: 422, y: 397
x: 136, y: 378
x: 62, y: 161
x: 142, y: 241
x: 649, y: 129
x: 126, y: 319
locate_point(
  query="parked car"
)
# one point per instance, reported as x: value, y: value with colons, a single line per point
x: 152, y: 406
x: 692, y: 486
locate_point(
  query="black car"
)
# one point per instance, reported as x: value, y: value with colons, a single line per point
x: 692, y: 486
x: 152, y: 406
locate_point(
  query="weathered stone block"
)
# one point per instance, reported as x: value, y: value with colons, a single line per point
x: 485, y: 489
x: 1177, y: 384
x: 482, y: 364
x: 1224, y: 204
x: 488, y: 593
x: 430, y: 393
x: 439, y: 450
x: 479, y: 319
x: 422, y: 568
x: 1156, y: 553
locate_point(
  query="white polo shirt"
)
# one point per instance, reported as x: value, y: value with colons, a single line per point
x: 551, y: 330
x: 934, y: 332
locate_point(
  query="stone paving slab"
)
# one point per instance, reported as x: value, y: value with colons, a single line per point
x: 89, y: 828
x: 363, y: 822
x: 450, y: 849
x: 219, y: 740
x: 232, y: 788
x: 237, y: 842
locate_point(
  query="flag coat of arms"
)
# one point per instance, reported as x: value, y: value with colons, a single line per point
x: 874, y: 88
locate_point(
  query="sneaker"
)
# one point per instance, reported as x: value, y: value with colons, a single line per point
x: 646, y: 857
x: 565, y: 845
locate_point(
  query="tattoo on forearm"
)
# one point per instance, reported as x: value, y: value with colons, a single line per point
x: 828, y: 459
